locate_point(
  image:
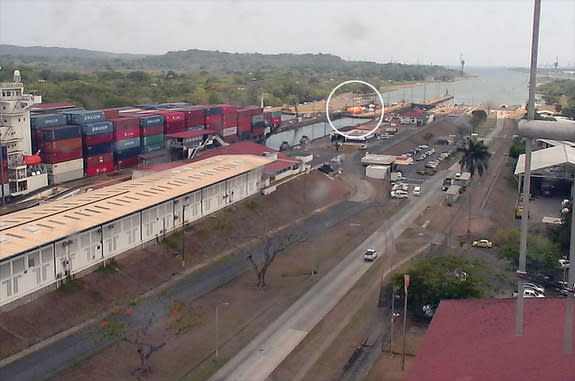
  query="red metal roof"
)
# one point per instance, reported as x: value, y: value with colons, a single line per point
x: 252, y: 148
x: 190, y: 134
x: 42, y: 106
x: 470, y: 340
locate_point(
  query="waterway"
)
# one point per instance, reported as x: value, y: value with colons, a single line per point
x: 493, y: 86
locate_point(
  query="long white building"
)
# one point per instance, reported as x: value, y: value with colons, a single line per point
x: 42, y: 245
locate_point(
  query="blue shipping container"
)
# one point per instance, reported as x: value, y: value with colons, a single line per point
x: 151, y: 121
x: 152, y: 148
x: 98, y: 149
x: 98, y: 128
x: 245, y: 135
x: 47, y: 120
x: 126, y: 153
x: 195, y: 128
x: 83, y: 117
x: 258, y: 125
x: 61, y: 133
x: 124, y: 144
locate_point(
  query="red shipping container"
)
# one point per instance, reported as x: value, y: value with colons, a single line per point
x: 174, y: 126
x: 92, y: 140
x: 230, y: 119
x: 127, y: 163
x: 94, y: 161
x: 111, y: 113
x: 59, y: 157
x: 127, y: 134
x: 213, y: 122
x: 99, y: 169
x: 62, y: 146
x: 149, y: 131
x: 125, y: 123
x: 194, y: 115
x: 276, y: 121
x: 244, y: 124
x: 258, y: 131
x: 172, y: 116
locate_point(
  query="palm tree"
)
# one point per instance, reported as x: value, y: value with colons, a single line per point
x: 475, y: 159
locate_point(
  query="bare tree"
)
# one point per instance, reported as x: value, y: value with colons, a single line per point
x: 271, y: 247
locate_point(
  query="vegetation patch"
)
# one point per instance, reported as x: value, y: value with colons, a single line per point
x: 254, y: 206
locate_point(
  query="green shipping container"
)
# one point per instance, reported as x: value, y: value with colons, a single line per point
x: 276, y: 114
x: 152, y: 140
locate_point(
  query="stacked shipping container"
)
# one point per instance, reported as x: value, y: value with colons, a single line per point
x: 151, y: 133
x: 229, y: 123
x: 98, y: 138
x: 126, y: 141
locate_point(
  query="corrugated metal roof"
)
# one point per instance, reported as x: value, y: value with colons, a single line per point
x: 475, y: 340
x: 547, y: 157
x: 33, y: 227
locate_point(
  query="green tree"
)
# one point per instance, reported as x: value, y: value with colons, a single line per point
x: 475, y: 158
x: 445, y: 277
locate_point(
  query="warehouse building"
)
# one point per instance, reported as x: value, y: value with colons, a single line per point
x: 43, y: 245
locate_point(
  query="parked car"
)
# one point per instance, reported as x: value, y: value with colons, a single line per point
x: 564, y: 263
x: 417, y: 191
x: 446, y: 183
x: 370, y: 255
x: 400, y: 186
x: 529, y: 293
x: 536, y: 287
x: 484, y: 243
x: 420, y: 157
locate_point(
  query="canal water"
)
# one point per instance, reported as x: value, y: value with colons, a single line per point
x: 493, y: 86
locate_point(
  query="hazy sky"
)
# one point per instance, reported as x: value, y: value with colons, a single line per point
x: 495, y: 33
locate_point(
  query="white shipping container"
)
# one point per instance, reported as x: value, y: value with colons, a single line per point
x: 65, y: 166
x: 230, y: 131
x: 267, y: 130
x: 377, y: 171
x: 66, y: 176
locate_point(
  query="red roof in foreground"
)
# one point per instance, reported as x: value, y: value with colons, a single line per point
x: 415, y: 112
x: 470, y: 340
x: 251, y: 148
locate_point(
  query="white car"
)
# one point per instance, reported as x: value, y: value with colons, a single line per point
x: 400, y: 186
x: 564, y: 263
x: 417, y: 191
x: 535, y: 287
x: 370, y: 255
x: 398, y: 194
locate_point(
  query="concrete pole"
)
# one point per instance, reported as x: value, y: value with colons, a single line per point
x: 570, y: 280
x: 527, y: 178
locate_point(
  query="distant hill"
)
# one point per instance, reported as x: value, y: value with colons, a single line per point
x: 45, y: 51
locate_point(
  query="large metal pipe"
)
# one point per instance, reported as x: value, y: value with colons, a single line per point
x: 543, y: 129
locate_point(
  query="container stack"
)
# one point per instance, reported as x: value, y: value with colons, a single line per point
x: 258, y: 123
x: 244, y: 123
x: 126, y: 141
x: 4, y: 179
x: 229, y: 123
x: 40, y: 121
x: 213, y: 119
x: 98, y: 142
x: 193, y: 116
x: 61, y: 152
x: 151, y: 133
x: 174, y: 121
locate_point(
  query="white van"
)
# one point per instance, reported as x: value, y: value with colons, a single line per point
x: 417, y: 191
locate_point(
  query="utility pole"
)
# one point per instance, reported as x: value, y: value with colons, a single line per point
x: 527, y: 170
x: 2, y: 171
x: 406, y: 286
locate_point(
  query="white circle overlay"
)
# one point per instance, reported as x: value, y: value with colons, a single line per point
x: 329, y: 119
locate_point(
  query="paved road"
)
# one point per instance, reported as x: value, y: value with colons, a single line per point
x: 258, y: 360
